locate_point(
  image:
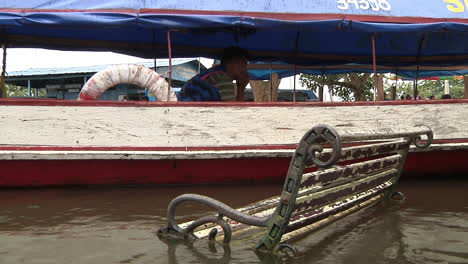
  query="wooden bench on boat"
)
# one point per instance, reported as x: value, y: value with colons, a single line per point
x: 356, y: 169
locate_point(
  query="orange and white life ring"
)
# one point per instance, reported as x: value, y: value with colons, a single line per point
x: 127, y: 74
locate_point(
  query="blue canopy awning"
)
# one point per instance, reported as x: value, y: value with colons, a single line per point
x: 263, y: 71
x: 302, y: 32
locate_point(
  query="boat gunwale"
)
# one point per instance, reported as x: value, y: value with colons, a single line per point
x: 55, y: 102
x: 135, y: 153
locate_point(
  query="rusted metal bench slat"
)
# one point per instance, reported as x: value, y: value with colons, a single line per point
x: 320, y: 223
x: 322, y: 197
x: 354, y: 134
x: 268, y: 207
x: 299, y: 220
x: 326, y: 176
x: 365, y: 151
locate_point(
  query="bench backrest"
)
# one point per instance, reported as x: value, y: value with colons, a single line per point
x: 352, y: 174
x: 331, y: 174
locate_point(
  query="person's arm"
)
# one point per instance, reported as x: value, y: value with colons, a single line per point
x: 241, y: 83
x: 237, y: 70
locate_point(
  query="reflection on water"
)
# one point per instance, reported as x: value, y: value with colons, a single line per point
x: 117, y: 225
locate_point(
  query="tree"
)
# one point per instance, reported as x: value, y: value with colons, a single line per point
x: 19, y: 91
x: 426, y: 88
x: 349, y: 87
x: 359, y: 86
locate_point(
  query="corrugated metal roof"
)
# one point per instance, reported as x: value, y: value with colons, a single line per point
x: 92, y: 69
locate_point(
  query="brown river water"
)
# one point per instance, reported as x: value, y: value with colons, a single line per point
x: 116, y: 225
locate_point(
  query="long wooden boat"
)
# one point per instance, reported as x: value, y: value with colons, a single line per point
x: 47, y: 143
x: 56, y: 143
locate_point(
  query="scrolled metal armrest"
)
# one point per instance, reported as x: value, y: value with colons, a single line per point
x: 427, y: 142
x: 314, y: 140
x: 221, y: 208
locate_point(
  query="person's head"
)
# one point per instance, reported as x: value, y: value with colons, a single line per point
x: 234, y: 61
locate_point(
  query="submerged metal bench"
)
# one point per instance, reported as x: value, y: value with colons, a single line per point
x: 356, y: 169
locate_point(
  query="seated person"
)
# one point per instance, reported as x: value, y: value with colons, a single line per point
x: 216, y: 83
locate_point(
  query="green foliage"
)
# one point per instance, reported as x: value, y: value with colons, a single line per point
x: 349, y: 87
x: 359, y: 86
x: 19, y: 91
x: 426, y: 88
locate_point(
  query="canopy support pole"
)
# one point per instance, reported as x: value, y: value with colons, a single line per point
x: 415, y: 85
x: 446, y: 87
x: 415, y: 91
x: 29, y: 88
x: 169, y: 49
x: 296, y: 53
x: 396, y: 85
x: 2, y: 77
x: 271, y: 83
x: 321, y: 88
x: 199, y: 64
x: 154, y: 51
x: 374, y: 65
x: 294, y: 94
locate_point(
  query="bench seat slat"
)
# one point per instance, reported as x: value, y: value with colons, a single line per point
x: 365, y: 151
x: 326, y: 176
x: 267, y: 206
x: 298, y: 219
x: 333, y: 217
x: 322, y: 197
x: 301, y: 219
x: 395, y: 131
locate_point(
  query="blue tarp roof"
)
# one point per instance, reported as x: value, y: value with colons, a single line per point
x: 263, y: 71
x: 303, y: 32
x: 265, y: 74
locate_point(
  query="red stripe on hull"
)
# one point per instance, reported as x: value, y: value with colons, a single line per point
x: 441, y: 163
x: 36, y: 173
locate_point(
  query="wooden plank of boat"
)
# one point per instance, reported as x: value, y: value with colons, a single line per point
x: 64, y: 143
x: 192, y: 125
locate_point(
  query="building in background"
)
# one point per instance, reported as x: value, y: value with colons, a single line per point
x: 66, y: 83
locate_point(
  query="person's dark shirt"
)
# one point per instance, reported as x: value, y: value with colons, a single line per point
x: 211, y: 85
